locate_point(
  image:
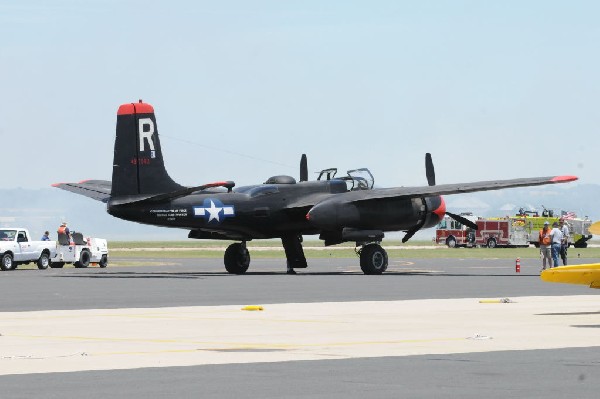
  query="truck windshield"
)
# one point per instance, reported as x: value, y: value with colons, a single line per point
x: 7, y: 235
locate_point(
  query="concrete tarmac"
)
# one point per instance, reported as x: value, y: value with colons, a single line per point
x: 175, y: 327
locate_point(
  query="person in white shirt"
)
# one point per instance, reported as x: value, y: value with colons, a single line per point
x: 565, y: 240
x: 557, y: 237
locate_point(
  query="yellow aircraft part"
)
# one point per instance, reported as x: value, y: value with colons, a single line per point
x: 588, y: 274
x: 595, y: 228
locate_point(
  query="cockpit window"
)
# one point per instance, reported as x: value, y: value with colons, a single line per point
x: 362, y: 179
x: 258, y: 190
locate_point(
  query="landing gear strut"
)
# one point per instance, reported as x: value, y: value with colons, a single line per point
x: 373, y: 259
x: 294, y: 253
x: 237, y: 258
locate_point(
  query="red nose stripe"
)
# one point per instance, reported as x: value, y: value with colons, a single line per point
x: 441, y: 210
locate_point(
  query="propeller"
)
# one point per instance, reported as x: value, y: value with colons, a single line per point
x: 462, y: 220
x: 429, y: 170
x: 303, y: 168
x: 430, y: 173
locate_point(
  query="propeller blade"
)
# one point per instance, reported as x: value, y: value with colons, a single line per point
x: 410, y: 233
x: 429, y: 170
x: 462, y: 220
x: 303, y: 168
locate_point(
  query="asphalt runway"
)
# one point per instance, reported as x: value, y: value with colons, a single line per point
x: 546, y: 344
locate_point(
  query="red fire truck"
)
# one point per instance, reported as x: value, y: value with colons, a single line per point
x: 506, y: 232
x: 455, y: 234
x: 491, y: 232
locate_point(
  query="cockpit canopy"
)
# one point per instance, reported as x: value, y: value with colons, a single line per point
x: 357, y: 179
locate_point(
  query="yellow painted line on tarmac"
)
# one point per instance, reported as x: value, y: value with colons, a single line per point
x: 232, y: 345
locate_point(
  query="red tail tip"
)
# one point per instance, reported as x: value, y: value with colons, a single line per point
x: 135, y: 108
x: 563, y: 179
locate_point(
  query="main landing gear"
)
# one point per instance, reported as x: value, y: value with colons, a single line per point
x: 237, y: 258
x: 373, y: 258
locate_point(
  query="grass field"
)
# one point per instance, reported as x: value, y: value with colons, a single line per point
x: 315, y: 249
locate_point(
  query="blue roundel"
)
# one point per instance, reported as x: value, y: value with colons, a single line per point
x: 213, y: 211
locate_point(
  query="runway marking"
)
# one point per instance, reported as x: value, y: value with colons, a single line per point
x: 34, y: 342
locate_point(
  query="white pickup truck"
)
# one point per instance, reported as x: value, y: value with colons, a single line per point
x: 16, y: 247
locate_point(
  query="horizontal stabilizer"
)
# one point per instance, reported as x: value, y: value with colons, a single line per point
x: 172, y: 195
x: 96, y: 189
x: 588, y: 274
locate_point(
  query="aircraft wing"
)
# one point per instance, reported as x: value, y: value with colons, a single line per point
x: 411, y: 192
x: 96, y: 189
x: 446, y: 189
x: 578, y: 274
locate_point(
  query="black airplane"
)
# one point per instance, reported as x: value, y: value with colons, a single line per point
x: 339, y: 209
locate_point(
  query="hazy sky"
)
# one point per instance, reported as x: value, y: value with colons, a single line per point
x: 493, y: 89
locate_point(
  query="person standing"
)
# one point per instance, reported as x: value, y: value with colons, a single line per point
x: 46, y: 236
x: 63, y: 229
x: 556, y: 236
x: 546, y: 245
x: 564, y: 228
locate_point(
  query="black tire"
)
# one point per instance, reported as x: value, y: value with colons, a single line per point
x: 103, y: 261
x: 236, y: 259
x: 373, y: 259
x: 7, y: 262
x: 84, y: 259
x: 491, y: 243
x: 44, y: 261
x: 57, y: 265
x: 451, y: 242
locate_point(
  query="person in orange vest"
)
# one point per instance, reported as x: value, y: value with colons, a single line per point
x: 63, y: 229
x: 545, y: 241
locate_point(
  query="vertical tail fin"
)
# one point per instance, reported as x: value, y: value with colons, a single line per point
x: 138, y: 166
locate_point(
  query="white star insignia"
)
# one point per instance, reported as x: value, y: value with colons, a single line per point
x: 213, y: 212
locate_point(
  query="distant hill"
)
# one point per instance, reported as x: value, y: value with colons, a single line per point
x: 44, y: 209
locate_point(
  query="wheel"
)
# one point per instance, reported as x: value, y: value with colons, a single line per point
x: 491, y: 243
x: 44, y: 261
x: 237, y: 258
x: 103, y: 261
x: 84, y: 259
x: 451, y: 242
x: 7, y: 262
x: 373, y: 259
x: 57, y: 265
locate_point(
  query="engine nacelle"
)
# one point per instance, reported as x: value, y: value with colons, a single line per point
x: 385, y: 214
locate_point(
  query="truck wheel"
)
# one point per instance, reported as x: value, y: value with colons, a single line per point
x: 491, y: 243
x: 57, y: 265
x: 84, y: 259
x: 451, y: 242
x: 43, y: 262
x: 103, y: 261
x: 7, y: 262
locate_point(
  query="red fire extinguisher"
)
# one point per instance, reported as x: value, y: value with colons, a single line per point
x: 518, y: 266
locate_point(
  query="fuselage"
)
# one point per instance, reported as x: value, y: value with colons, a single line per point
x: 276, y: 210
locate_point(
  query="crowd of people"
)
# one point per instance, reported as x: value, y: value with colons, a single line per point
x: 554, y: 243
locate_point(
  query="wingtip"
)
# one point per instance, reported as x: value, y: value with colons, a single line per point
x: 563, y: 179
